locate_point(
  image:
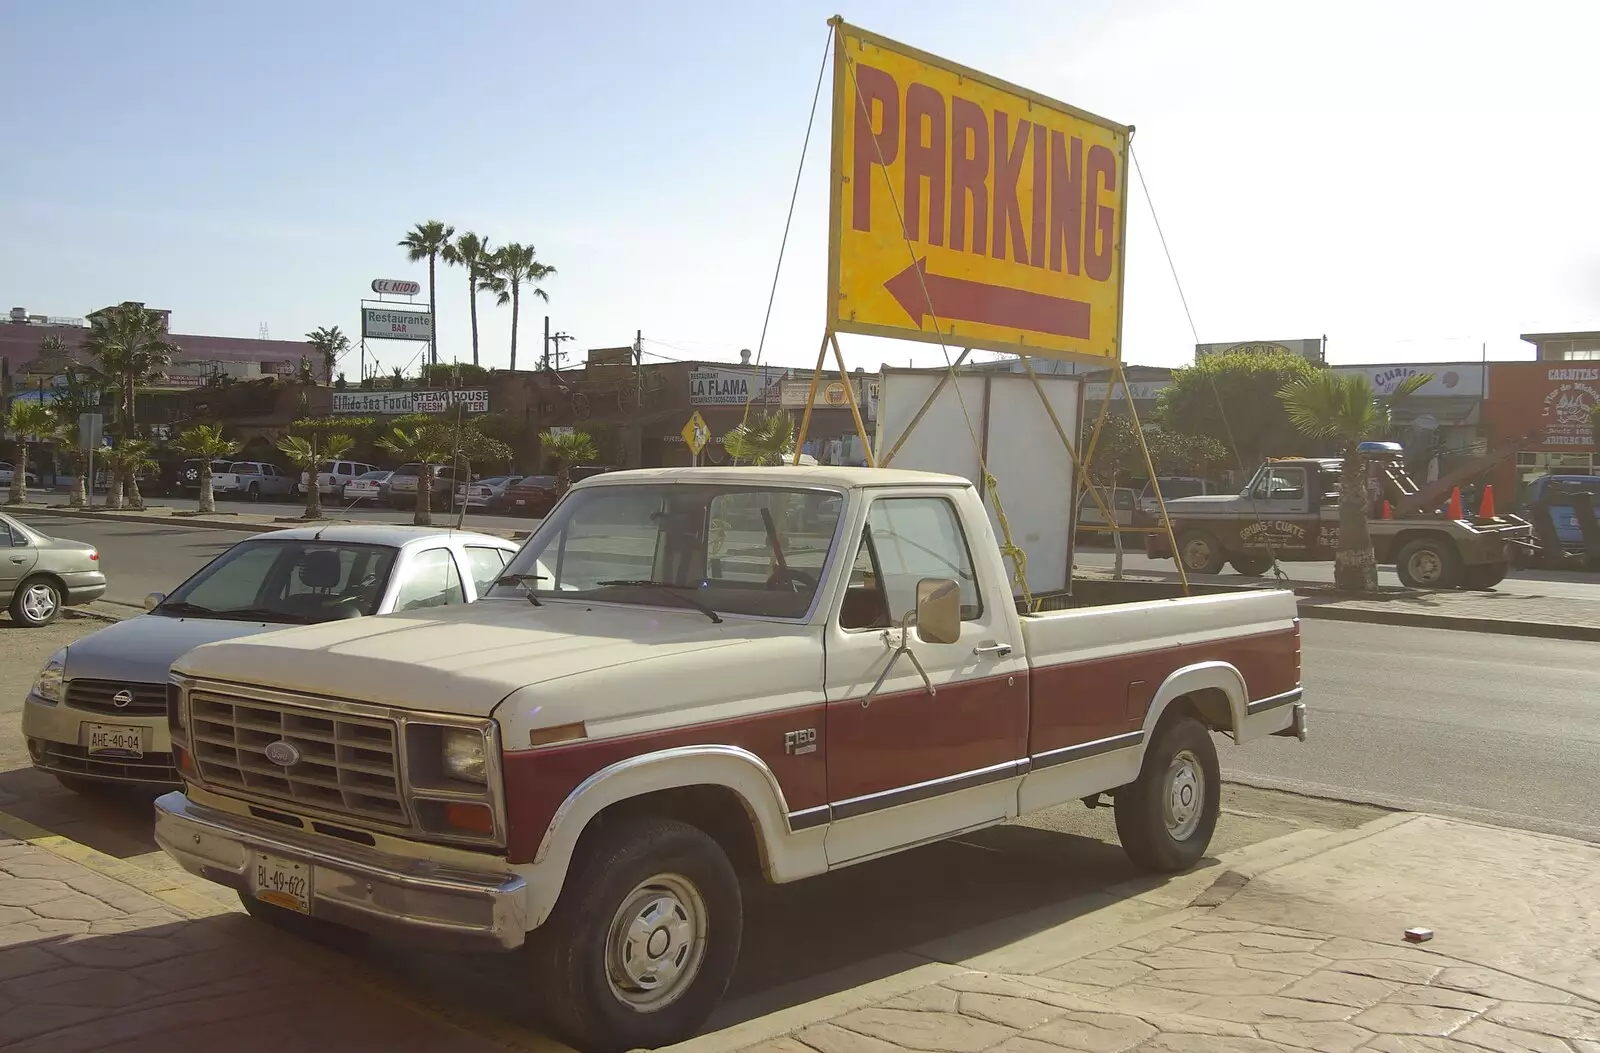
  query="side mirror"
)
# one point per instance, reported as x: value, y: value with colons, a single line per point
x: 938, y: 611
x: 154, y: 600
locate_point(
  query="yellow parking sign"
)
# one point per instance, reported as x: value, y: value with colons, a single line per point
x: 696, y: 433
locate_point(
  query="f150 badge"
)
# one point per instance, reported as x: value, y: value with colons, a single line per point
x: 799, y: 742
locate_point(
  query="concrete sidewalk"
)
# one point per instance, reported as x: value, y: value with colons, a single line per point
x: 97, y: 955
x: 1296, y: 945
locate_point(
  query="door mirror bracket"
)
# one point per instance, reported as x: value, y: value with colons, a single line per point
x: 937, y: 618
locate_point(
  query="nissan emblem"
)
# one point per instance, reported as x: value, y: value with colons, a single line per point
x: 122, y: 698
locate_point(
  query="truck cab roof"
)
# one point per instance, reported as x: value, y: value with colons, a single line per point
x: 825, y: 475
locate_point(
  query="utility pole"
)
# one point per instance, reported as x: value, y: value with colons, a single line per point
x: 558, y: 339
x: 636, y: 453
x: 546, y: 341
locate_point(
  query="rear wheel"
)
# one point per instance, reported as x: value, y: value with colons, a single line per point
x: 1429, y: 563
x: 37, y: 603
x: 1483, y: 575
x: 1251, y: 566
x: 1165, y: 819
x: 254, y: 493
x: 1201, y: 552
x: 644, y: 939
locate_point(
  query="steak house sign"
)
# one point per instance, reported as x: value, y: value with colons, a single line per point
x: 965, y: 204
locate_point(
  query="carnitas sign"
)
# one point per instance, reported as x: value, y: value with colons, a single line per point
x: 1569, y: 405
x: 970, y: 211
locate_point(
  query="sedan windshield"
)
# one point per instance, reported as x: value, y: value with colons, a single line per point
x: 290, y: 581
x: 728, y: 548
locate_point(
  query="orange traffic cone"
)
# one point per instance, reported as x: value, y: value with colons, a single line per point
x: 1455, y: 504
x: 1387, y: 512
x: 1487, y: 511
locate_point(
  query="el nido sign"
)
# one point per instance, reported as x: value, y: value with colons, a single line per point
x: 396, y: 325
x: 969, y: 210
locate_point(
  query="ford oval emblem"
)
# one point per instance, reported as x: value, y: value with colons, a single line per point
x: 122, y: 699
x: 284, y: 754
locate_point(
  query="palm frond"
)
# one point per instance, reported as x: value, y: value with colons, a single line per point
x: 1329, y: 405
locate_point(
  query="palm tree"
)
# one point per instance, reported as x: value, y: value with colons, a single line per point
x: 1344, y: 407
x: 71, y: 403
x: 567, y: 449
x: 26, y: 418
x: 766, y: 438
x: 130, y: 349
x: 126, y: 459
x: 205, y: 441
x: 472, y: 252
x: 330, y: 343
x: 426, y: 444
x: 307, y: 452
x: 512, y: 267
x: 426, y: 241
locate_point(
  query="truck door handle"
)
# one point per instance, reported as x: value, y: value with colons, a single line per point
x: 999, y: 650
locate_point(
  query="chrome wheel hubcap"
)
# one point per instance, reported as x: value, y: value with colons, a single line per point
x: 1196, y: 554
x: 1426, y: 566
x: 1185, y: 798
x: 39, y: 602
x: 656, y: 943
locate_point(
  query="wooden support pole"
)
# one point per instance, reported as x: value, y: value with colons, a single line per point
x: 850, y: 397
x: 811, y: 396
x: 927, y: 404
x: 1072, y: 451
x: 1161, y: 503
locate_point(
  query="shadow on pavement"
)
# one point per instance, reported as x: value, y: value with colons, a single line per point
x: 114, y: 820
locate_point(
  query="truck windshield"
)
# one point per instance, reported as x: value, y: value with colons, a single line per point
x: 735, y: 549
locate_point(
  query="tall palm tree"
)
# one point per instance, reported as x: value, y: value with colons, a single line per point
x: 78, y: 397
x: 512, y: 267
x: 307, y: 452
x: 1344, y: 408
x: 26, y: 418
x: 126, y: 459
x: 330, y: 344
x: 426, y: 241
x: 426, y: 444
x: 131, y: 350
x: 205, y: 441
x: 766, y: 438
x: 472, y: 252
x: 567, y: 449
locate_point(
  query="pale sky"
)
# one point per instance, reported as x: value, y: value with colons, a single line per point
x: 1413, y: 180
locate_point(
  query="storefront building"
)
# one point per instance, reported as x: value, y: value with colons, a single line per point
x: 1547, y: 408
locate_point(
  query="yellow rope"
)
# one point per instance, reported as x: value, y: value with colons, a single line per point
x: 1008, y: 548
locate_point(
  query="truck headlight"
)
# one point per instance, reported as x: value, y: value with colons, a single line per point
x: 50, y: 684
x: 462, y: 752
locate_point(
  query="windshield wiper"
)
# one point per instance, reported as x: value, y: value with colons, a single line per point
x: 265, y: 614
x: 523, y: 579
x: 180, y: 607
x: 671, y: 590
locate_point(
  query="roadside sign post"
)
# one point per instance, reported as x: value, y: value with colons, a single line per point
x: 90, y: 427
x: 696, y: 433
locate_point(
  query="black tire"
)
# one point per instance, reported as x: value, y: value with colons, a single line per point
x: 1429, y: 563
x: 1251, y: 566
x: 1154, y: 837
x: 1484, y: 575
x: 294, y: 491
x: 1201, y: 552
x: 254, y: 493
x: 37, y: 602
x: 570, y: 967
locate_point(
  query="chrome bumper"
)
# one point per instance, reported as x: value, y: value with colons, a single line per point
x: 1297, y: 724
x: 414, y: 901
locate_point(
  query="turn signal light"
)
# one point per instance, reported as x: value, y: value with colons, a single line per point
x: 183, y: 761
x: 559, y: 733
x: 469, y: 818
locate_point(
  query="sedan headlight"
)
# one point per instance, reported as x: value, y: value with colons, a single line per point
x: 50, y: 685
x: 463, y: 756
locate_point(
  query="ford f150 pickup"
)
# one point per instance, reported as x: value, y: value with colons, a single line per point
x: 685, y: 676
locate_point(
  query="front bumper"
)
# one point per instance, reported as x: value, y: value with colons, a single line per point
x: 58, y: 742
x: 415, y: 901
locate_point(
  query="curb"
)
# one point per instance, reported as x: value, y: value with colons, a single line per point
x: 1501, y: 626
x: 1109, y: 916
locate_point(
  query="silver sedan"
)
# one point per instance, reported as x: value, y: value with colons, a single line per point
x: 40, y: 574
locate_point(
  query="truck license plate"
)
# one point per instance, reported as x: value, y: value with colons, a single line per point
x: 113, y: 738
x: 281, y: 882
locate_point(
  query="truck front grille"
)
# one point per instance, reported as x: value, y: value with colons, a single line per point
x: 347, y: 764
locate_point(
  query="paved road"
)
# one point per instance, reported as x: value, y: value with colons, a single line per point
x: 1500, y: 728
x: 360, y: 513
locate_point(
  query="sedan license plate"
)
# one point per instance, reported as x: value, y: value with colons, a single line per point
x: 281, y: 882
x: 520, y: 501
x: 112, y: 738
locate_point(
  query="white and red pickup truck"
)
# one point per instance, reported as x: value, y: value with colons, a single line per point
x: 689, y: 676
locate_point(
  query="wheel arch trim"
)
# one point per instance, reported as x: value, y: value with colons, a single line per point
x: 1201, y: 676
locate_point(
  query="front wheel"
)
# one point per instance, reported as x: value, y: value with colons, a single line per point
x: 1250, y: 566
x: 1429, y: 563
x: 644, y: 939
x: 1201, y: 552
x: 36, y: 603
x: 1165, y: 818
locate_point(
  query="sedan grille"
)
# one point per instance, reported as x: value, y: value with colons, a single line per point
x: 347, y: 765
x: 101, y: 696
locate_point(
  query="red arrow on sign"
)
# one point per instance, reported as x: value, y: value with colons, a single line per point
x: 961, y: 300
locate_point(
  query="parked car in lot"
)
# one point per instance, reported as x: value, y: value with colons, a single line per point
x: 187, y: 476
x: 1092, y: 522
x: 40, y: 574
x: 8, y: 471
x: 403, y: 486
x: 535, y: 495
x: 98, y: 711
x: 253, y: 480
x: 333, y: 476
x: 554, y: 767
x: 487, y: 493
x: 370, y: 486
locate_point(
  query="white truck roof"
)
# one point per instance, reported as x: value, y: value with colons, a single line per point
x: 822, y: 475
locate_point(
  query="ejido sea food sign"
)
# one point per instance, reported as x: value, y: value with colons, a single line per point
x: 396, y: 325
x: 970, y: 211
